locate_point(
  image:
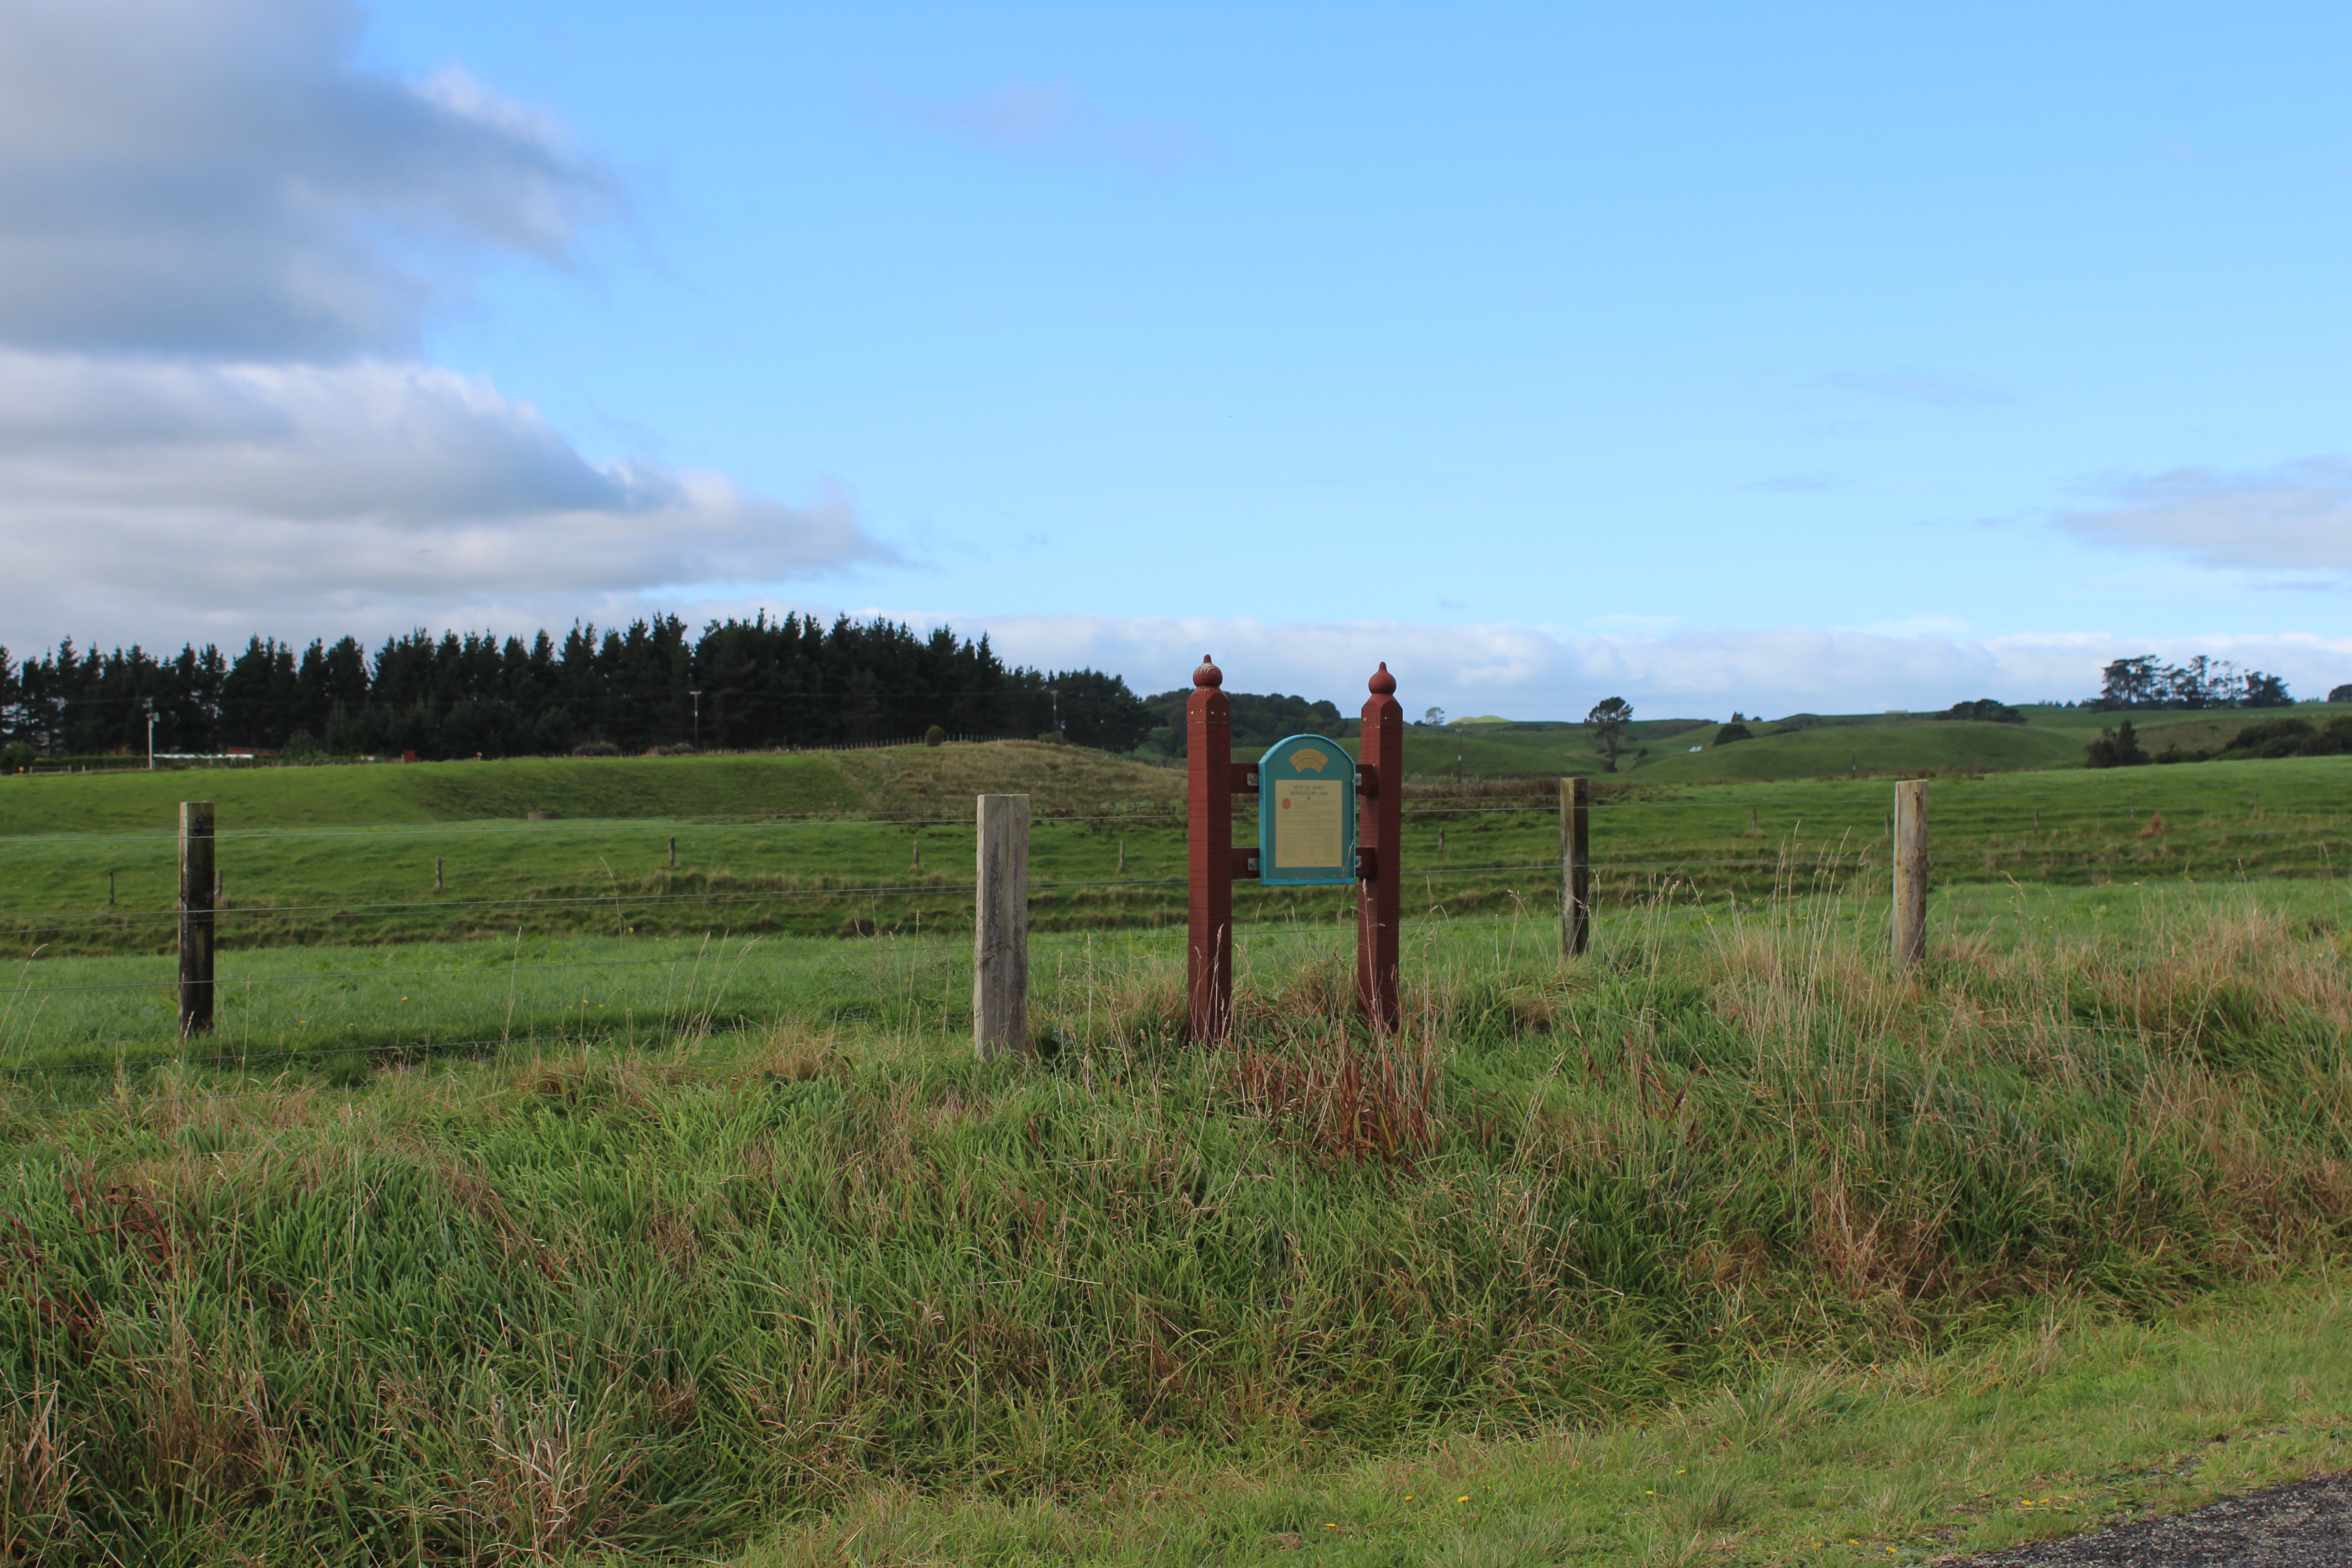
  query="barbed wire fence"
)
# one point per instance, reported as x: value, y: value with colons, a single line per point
x: 890, y: 970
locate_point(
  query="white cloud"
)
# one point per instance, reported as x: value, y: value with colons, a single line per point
x: 1530, y: 673
x: 2296, y: 516
x: 218, y: 238
x: 217, y: 178
x: 386, y: 491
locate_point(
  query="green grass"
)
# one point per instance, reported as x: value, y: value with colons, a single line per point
x: 1829, y: 746
x: 1116, y: 862
x: 1917, y: 747
x: 365, y: 795
x: 2071, y: 1421
x: 596, y: 1295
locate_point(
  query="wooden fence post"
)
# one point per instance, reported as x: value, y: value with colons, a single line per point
x: 1910, y: 871
x: 196, y: 918
x: 1380, y: 851
x: 1575, y: 866
x: 673, y: 852
x: 1209, y: 855
x: 436, y: 873
x: 1000, y: 930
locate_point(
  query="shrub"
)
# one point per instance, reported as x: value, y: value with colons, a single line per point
x: 1984, y: 711
x: 1733, y: 731
x: 2115, y: 748
x: 16, y: 757
x: 935, y: 736
x: 2341, y: 694
x: 2290, y: 738
x: 595, y: 749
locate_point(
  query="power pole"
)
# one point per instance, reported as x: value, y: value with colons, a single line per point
x: 696, y: 692
x: 150, y: 734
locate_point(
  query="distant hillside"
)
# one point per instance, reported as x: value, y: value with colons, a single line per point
x: 1821, y: 745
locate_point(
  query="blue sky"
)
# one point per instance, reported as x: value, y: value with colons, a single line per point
x: 1766, y: 357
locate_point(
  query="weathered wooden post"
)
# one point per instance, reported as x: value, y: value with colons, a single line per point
x: 1910, y: 945
x: 1000, y: 930
x: 110, y: 887
x: 1575, y: 866
x: 1380, y: 862
x: 1209, y: 855
x: 673, y: 852
x: 196, y: 918
x: 436, y: 873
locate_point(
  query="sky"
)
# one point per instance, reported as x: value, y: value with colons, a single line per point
x: 1762, y: 357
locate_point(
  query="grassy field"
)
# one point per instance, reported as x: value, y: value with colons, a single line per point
x: 1826, y: 746
x: 1107, y: 848
x: 583, y: 1296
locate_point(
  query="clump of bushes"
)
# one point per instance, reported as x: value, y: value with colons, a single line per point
x: 1733, y: 731
x: 1984, y: 711
x: 2290, y: 738
x: 2272, y: 738
x: 935, y: 736
x: 595, y: 749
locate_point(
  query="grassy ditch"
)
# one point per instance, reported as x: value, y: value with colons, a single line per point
x: 593, y: 1299
x: 2071, y: 1420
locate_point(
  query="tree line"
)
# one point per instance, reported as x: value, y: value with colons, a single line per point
x: 2202, y: 682
x: 762, y: 683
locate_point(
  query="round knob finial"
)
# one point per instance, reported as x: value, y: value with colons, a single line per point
x: 1208, y: 674
x: 1383, y: 683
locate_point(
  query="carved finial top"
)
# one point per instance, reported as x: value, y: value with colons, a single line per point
x: 1208, y: 674
x: 1383, y: 683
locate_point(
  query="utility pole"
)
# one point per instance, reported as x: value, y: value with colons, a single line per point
x: 150, y: 734
x: 696, y: 692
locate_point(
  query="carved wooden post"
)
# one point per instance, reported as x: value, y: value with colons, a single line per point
x: 1209, y: 842
x: 196, y: 918
x: 1000, y: 929
x: 1379, y: 832
x: 1910, y: 850
x: 1575, y: 866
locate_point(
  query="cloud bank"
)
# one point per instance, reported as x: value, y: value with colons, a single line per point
x: 1525, y: 673
x: 219, y: 241
x: 2296, y: 516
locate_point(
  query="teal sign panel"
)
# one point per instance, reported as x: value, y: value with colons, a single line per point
x: 1306, y: 812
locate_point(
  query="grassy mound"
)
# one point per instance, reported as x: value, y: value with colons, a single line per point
x: 593, y: 1298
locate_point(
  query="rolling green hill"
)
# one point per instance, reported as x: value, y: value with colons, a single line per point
x: 1827, y: 745
x: 1911, y: 747
x: 362, y: 795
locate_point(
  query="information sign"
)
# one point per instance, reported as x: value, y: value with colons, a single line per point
x: 1306, y: 812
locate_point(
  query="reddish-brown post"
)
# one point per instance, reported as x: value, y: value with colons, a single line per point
x: 1379, y: 832
x: 1209, y: 794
